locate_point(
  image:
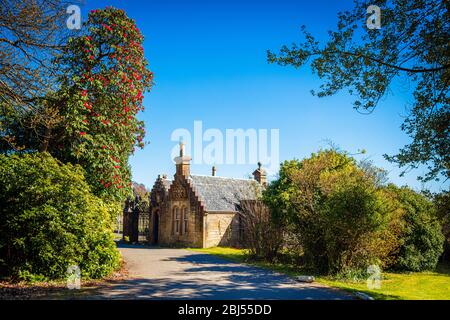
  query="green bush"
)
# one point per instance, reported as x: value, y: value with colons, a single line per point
x: 335, y: 210
x: 442, y: 203
x: 353, y: 216
x: 49, y: 220
x: 421, y: 236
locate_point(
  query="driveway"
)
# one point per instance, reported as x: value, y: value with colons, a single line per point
x: 161, y: 273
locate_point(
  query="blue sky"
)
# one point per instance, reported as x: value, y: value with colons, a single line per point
x: 209, y: 61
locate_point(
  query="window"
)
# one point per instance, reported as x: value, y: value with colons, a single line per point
x: 185, y: 220
x: 177, y: 219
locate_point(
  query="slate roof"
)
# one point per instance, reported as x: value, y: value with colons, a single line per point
x: 224, y: 194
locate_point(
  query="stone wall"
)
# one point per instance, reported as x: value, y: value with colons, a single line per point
x: 205, y: 229
x: 221, y: 229
x: 167, y: 233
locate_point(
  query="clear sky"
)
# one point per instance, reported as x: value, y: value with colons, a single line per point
x: 209, y: 61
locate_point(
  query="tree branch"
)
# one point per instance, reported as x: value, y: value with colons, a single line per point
x: 400, y: 68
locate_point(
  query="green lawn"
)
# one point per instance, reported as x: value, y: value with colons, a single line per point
x: 404, y: 286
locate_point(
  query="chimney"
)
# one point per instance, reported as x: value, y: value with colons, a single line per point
x: 260, y: 175
x: 182, y: 163
x: 214, y: 171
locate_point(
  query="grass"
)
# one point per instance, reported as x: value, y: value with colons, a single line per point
x: 394, y: 286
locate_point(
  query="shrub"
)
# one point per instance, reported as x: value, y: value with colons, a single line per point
x: 421, y: 236
x: 354, y: 215
x: 263, y: 235
x: 336, y: 211
x: 442, y: 203
x: 49, y: 220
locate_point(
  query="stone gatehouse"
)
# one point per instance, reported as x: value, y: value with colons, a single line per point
x: 200, y: 211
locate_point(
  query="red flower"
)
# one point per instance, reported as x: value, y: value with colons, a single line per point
x: 82, y: 133
x: 88, y: 106
x: 107, y: 27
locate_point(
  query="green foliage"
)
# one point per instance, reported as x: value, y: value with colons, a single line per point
x: 49, y: 220
x: 353, y: 213
x: 366, y: 62
x: 90, y: 115
x: 421, y: 237
x: 333, y: 208
x: 442, y: 203
x: 344, y: 218
x: 106, y: 75
x: 141, y: 196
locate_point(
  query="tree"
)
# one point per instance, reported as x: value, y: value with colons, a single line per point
x: 106, y: 75
x: 140, y: 190
x: 411, y: 45
x: 31, y: 34
x: 89, y: 116
x: 421, y: 236
x: 335, y: 210
x: 442, y: 203
x: 141, y: 196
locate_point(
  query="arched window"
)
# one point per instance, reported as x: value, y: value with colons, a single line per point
x: 176, y: 214
x: 185, y: 220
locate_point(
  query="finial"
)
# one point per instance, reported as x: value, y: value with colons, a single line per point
x: 259, y: 165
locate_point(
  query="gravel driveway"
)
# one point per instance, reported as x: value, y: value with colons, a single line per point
x: 161, y: 273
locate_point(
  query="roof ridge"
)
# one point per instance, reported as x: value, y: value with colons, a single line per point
x: 231, y: 178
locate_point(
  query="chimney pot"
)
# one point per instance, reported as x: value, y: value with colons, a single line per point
x: 260, y: 175
x: 213, y: 171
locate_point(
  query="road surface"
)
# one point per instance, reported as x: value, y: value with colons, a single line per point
x: 162, y: 273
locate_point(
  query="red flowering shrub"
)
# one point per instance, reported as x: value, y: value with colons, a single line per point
x: 107, y: 75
